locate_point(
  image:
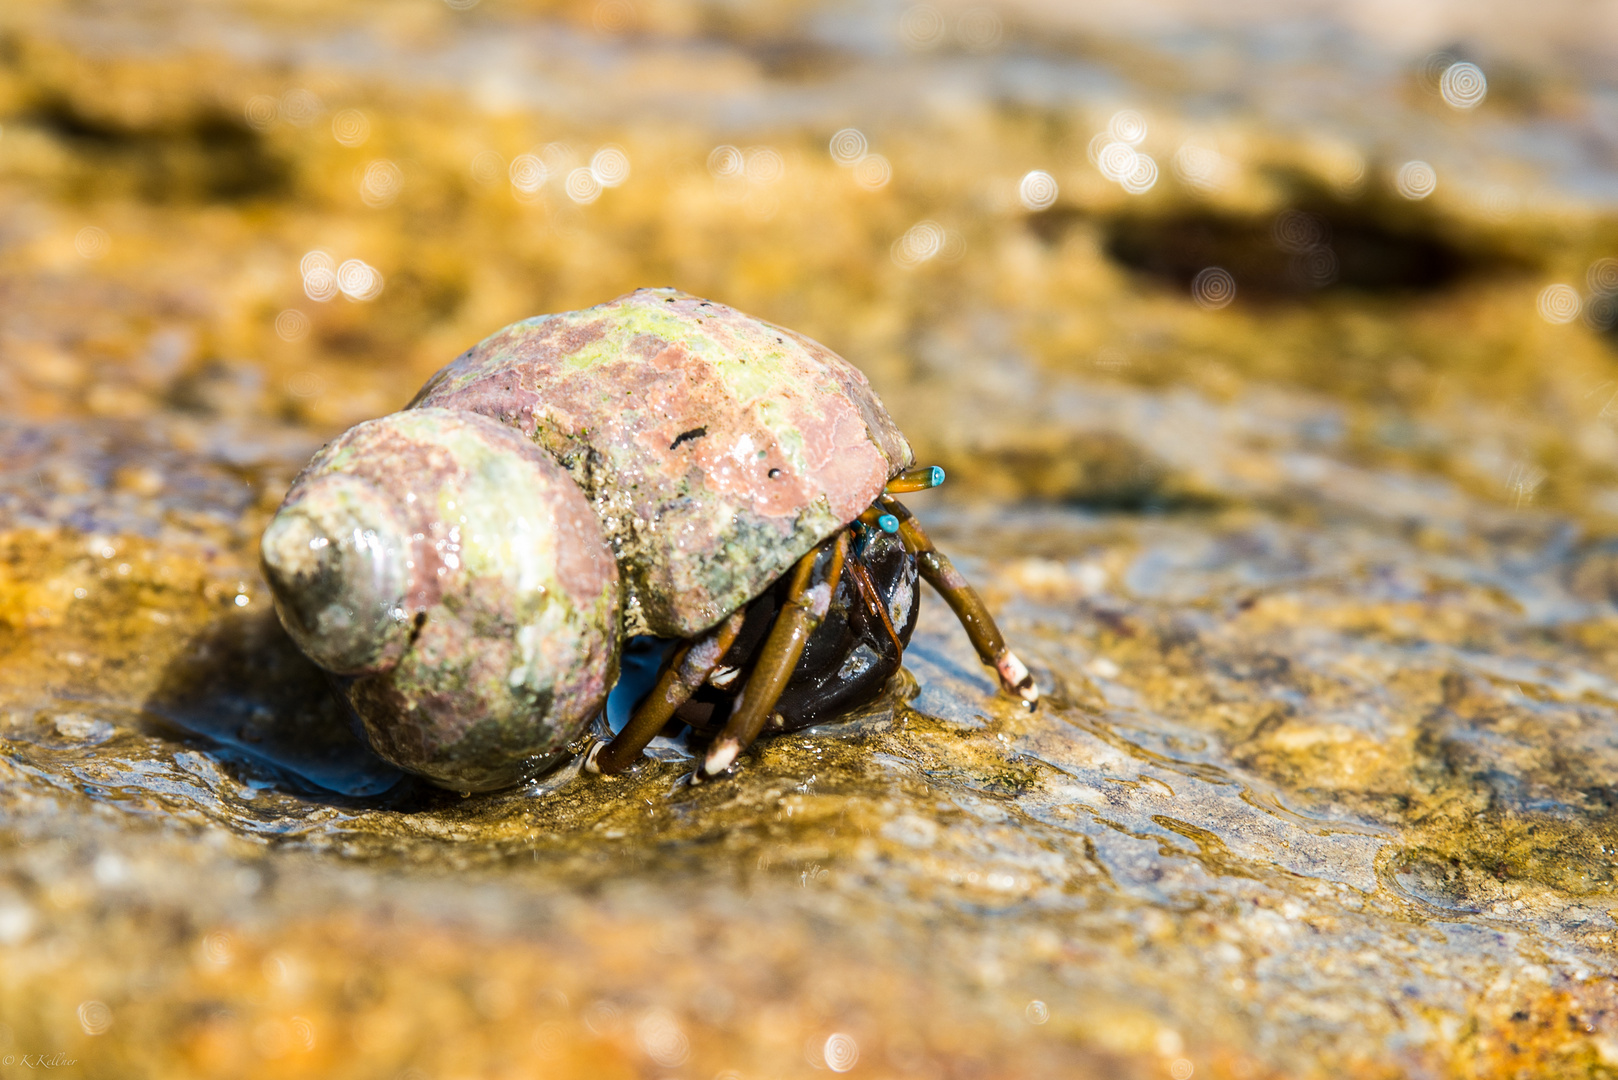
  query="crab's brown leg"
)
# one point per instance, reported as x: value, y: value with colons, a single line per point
x: 799, y: 617
x: 873, y: 600
x: 965, y: 602
x: 687, y: 670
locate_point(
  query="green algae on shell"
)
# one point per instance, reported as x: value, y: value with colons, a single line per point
x: 457, y: 582
x: 715, y: 447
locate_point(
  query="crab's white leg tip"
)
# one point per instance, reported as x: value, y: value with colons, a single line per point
x: 590, y: 756
x: 1015, y: 677
x: 721, y: 757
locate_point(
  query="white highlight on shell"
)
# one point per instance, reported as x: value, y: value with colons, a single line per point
x: 1559, y: 304
x: 381, y: 183
x: 841, y: 1052
x: 359, y: 280
x: 92, y: 242
x: 1127, y: 126
x: 610, y: 165
x: 351, y: 127
x: 1416, y: 180
x: 873, y: 172
x: 527, y: 172
x: 291, y: 325
x: 1463, y: 86
x: 1213, y: 288
x: 583, y: 187
x: 319, y: 271
x: 848, y: 146
x: 1037, y: 190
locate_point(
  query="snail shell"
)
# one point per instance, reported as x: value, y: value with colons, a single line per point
x: 456, y: 580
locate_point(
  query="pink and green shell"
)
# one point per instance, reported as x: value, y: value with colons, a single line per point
x: 716, y: 449
x: 456, y: 580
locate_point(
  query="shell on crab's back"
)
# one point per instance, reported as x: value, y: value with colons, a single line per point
x: 716, y: 448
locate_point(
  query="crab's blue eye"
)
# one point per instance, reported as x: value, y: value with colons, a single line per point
x: 888, y: 523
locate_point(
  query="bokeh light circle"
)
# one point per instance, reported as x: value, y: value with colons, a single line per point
x: 841, y: 1052
x: 610, y: 165
x: 261, y: 111
x: 1297, y: 231
x: 1463, y: 86
x: 1117, y: 160
x: 1037, y: 190
x: 583, y: 187
x: 921, y: 242
x: 1603, y: 276
x: 91, y: 242
x: 1416, y: 180
x: 94, y: 1017
x: 848, y: 146
x: 1037, y: 1012
x: 1314, y: 268
x: 351, y: 127
x: 381, y: 183
x: 291, y: 325
x: 528, y: 173
x: 726, y: 160
x: 978, y: 28
x: 487, y: 167
x: 1601, y: 313
x: 1559, y: 304
x: 613, y: 16
x: 873, y: 172
x: 300, y: 107
x: 1213, y: 288
x: 922, y: 26
x: 764, y: 164
x: 359, y: 280
x: 1142, y: 178
x: 1127, y: 126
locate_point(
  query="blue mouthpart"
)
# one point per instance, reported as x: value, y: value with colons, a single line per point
x: 888, y: 523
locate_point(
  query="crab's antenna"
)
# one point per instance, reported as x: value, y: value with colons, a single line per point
x: 921, y: 478
x: 967, y: 605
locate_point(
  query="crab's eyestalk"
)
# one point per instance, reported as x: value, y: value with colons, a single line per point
x: 335, y: 556
x: 458, y: 578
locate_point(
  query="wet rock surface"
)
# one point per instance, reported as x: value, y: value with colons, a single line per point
x: 1320, y: 584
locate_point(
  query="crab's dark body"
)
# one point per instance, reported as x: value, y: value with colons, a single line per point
x: 847, y: 661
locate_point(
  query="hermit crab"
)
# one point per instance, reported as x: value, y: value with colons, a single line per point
x: 468, y: 569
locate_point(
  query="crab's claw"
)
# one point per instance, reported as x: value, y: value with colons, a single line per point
x: 458, y: 579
